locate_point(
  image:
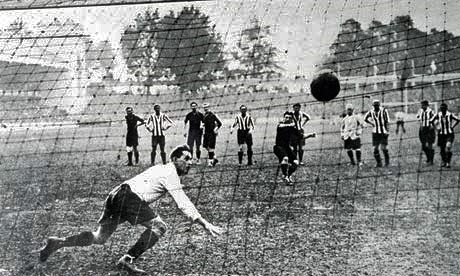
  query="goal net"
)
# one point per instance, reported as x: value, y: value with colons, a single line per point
x: 70, y: 68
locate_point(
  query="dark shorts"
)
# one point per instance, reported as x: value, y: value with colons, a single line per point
x: 352, y: 144
x: 123, y: 205
x: 297, y: 139
x: 282, y: 152
x: 132, y: 141
x: 379, y: 139
x: 427, y: 135
x: 194, y: 138
x: 244, y: 137
x: 158, y: 140
x: 443, y: 139
x: 209, y: 140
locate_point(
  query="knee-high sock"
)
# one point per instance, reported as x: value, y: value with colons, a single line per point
x: 377, y: 157
x: 386, y: 155
x: 300, y: 155
x: 83, y: 239
x: 198, y: 154
x: 443, y: 155
x: 163, y: 157
x: 426, y: 151
x: 147, y: 240
x: 240, y: 157
x: 431, y: 155
x: 152, y: 157
x: 284, y: 169
x: 130, y: 158
x: 449, y: 156
x: 250, y: 153
x: 211, y: 155
x: 292, y: 169
x: 358, y: 155
x: 350, y: 155
x: 136, y: 156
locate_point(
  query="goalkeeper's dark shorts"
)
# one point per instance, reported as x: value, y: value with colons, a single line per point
x: 123, y: 205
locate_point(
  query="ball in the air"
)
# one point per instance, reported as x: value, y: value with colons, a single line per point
x: 325, y: 86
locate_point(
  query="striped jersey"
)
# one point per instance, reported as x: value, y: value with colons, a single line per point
x: 156, y: 124
x: 300, y: 119
x: 445, y: 125
x: 244, y: 123
x: 425, y: 116
x: 380, y: 119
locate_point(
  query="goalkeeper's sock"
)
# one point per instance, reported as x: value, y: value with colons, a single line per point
x: 147, y: 240
x: 85, y: 238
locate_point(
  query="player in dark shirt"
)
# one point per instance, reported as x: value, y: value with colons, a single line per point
x: 212, y: 124
x: 195, y: 129
x: 132, y: 136
x: 285, y: 132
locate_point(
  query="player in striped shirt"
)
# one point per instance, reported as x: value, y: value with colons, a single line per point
x: 157, y: 124
x: 426, y: 133
x: 245, y: 125
x: 212, y: 124
x: 130, y: 202
x: 446, y: 124
x: 351, y: 130
x: 132, y: 136
x: 300, y: 119
x: 379, y: 119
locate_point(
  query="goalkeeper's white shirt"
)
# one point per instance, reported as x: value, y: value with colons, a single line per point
x: 158, y: 180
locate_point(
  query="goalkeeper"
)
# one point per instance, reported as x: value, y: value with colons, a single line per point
x: 130, y: 201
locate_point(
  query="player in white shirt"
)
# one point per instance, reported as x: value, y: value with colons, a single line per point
x: 351, y: 130
x: 130, y: 202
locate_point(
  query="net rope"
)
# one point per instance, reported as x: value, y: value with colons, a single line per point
x: 70, y: 68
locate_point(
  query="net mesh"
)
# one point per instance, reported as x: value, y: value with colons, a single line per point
x: 70, y: 68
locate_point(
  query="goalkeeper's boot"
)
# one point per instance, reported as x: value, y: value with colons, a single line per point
x: 126, y: 263
x: 52, y: 245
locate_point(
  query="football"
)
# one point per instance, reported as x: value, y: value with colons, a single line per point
x: 325, y: 86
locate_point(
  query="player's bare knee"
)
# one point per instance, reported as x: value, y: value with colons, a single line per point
x: 129, y: 149
x: 285, y: 160
x: 156, y: 225
x: 159, y: 228
x: 99, y: 237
